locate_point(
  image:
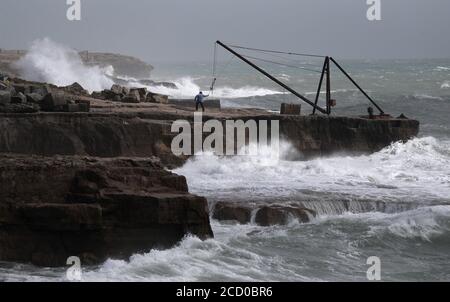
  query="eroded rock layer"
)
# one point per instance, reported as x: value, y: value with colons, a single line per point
x: 53, y: 208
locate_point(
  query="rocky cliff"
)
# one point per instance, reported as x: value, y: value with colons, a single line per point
x: 55, y: 207
x: 87, y: 134
x: 148, y: 133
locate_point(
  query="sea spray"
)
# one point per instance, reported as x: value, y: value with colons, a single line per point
x: 51, y: 62
x: 412, y: 171
x: 186, y: 87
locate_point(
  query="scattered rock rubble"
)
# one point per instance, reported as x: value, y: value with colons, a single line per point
x: 20, y: 96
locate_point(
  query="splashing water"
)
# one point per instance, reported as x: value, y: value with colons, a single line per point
x: 415, y: 170
x: 54, y: 63
x: 187, y: 88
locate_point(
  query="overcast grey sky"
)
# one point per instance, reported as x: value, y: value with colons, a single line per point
x: 158, y: 30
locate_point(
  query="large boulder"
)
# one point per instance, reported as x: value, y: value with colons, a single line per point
x: 75, y: 89
x: 118, y: 89
x: 280, y: 215
x: 225, y: 211
x: 42, y: 89
x: 34, y: 98
x: 132, y: 97
x: 141, y: 91
x: 157, y: 98
x: 265, y: 214
x: 112, y: 95
x: 55, y: 101
x: 52, y: 208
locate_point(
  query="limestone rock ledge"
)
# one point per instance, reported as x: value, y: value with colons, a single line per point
x: 261, y: 214
x: 94, y: 208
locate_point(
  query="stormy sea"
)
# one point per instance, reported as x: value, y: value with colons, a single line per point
x: 393, y: 204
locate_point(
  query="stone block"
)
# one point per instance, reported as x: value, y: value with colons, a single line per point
x: 292, y: 109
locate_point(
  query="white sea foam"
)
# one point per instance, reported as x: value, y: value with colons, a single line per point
x: 341, y: 90
x: 284, y: 77
x: 430, y: 97
x: 442, y: 68
x: 415, y: 170
x: 424, y: 223
x: 228, y: 257
x: 51, y: 62
x: 445, y: 85
x: 187, y: 88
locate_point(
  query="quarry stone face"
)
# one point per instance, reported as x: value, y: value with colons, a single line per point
x: 53, y: 208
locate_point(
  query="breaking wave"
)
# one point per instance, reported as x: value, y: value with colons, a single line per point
x: 446, y: 84
x: 415, y: 170
x: 239, y: 252
x: 442, y: 68
x: 187, y: 88
x: 424, y: 223
x: 54, y: 63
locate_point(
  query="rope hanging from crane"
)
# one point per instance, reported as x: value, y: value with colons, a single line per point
x: 215, y: 70
x: 211, y: 89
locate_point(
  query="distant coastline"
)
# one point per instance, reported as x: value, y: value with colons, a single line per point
x: 122, y: 64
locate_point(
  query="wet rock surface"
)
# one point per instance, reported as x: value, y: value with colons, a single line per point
x: 83, y: 134
x: 260, y: 213
x: 53, y: 208
x: 322, y: 135
x: 20, y: 96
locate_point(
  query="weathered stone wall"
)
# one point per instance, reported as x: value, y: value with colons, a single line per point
x: 86, y: 134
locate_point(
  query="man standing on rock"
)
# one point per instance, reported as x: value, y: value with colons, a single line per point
x: 199, y: 100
